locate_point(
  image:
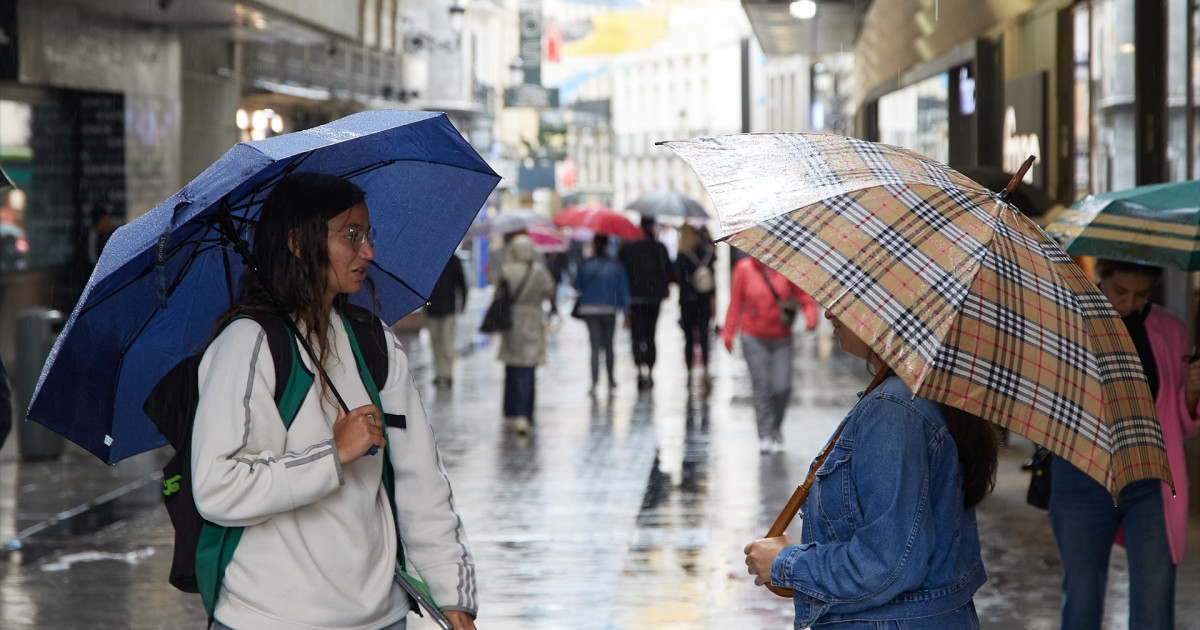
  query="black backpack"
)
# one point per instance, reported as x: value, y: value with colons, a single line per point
x: 171, y: 405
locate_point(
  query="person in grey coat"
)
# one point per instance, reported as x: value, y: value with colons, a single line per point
x: 523, y: 347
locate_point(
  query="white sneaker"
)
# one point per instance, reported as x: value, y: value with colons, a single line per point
x: 766, y: 446
x: 521, y: 425
x: 777, y: 446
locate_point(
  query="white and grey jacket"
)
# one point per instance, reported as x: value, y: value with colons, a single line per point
x: 319, y: 545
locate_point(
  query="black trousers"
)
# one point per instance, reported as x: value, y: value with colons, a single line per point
x: 643, y: 324
x: 695, y: 319
x: 518, y: 391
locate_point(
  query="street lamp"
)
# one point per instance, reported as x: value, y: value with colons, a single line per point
x: 457, y: 11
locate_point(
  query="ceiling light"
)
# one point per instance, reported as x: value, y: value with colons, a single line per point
x: 803, y: 9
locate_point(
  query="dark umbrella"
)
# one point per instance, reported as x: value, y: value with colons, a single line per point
x: 163, y: 279
x: 667, y: 203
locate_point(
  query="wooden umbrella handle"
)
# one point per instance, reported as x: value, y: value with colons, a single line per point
x: 792, y: 507
x: 1018, y: 176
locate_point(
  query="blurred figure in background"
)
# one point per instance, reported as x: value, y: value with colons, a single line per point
x: 763, y: 306
x: 523, y: 347
x: 449, y: 296
x: 603, y: 289
x: 1148, y: 517
x: 694, y: 272
x: 14, y: 248
x: 648, y: 268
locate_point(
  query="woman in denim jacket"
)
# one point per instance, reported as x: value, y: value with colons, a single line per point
x: 889, y: 538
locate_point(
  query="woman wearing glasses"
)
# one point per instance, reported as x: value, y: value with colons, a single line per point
x: 319, y: 544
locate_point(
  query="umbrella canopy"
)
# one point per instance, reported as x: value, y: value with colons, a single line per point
x: 1154, y: 225
x: 164, y: 278
x: 967, y: 300
x: 600, y: 219
x: 508, y: 222
x: 667, y: 203
x: 547, y: 238
x: 1032, y: 201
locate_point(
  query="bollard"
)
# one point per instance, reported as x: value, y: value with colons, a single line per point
x: 37, y: 328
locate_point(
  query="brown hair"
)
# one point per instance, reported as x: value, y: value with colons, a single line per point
x: 1106, y: 267
x: 298, y: 207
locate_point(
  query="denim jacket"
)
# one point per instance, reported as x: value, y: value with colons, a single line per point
x: 885, y: 533
x: 603, y: 286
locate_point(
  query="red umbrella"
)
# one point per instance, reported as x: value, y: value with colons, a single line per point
x: 599, y: 219
x: 546, y: 238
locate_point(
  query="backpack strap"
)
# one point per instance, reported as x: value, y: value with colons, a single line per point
x: 292, y: 382
x: 374, y: 350
x: 363, y: 325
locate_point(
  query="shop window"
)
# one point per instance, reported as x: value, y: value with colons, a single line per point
x: 917, y: 118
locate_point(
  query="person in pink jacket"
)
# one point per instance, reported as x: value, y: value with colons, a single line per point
x: 763, y: 306
x: 1148, y: 518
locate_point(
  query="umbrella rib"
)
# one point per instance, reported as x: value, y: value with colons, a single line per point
x: 141, y: 274
x: 399, y: 279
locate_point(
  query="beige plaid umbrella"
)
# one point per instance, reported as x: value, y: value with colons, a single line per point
x: 968, y: 301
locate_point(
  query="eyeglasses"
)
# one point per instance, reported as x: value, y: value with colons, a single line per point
x: 357, y: 235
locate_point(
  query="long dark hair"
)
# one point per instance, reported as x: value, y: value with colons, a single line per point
x: 299, y: 209
x: 977, y: 443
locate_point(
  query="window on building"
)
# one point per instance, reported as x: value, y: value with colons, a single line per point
x: 1082, y: 116
x: 1177, y: 90
x: 1114, y: 154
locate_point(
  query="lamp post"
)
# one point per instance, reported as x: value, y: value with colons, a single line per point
x: 457, y: 12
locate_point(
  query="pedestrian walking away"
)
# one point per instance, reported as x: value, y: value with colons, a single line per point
x: 648, y: 267
x: 1148, y: 518
x: 694, y: 273
x: 316, y: 479
x: 523, y: 346
x: 762, y: 307
x: 889, y: 537
x: 603, y: 287
x: 448, y: 298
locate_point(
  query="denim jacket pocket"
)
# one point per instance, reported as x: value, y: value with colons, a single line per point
x: 832, y: 494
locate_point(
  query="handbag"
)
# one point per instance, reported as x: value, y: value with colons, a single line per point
x: 787, y: 308
x: 1039, y: 481
x: 499, y: 317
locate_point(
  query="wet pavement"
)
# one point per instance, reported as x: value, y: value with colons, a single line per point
x: 619, y: 511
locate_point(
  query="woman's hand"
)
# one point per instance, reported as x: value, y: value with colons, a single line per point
x: 460, y: 620
x: 760, y: 555
x: 356, y: 432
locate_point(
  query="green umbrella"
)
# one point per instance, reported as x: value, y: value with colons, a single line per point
x: 1155, y: 225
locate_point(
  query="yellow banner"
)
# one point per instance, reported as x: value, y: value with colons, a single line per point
x: 619, y: 32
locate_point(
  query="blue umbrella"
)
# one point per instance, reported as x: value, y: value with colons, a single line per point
x: 164, y: 278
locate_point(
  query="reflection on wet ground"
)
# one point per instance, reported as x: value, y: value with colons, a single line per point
x: 619, y: 511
